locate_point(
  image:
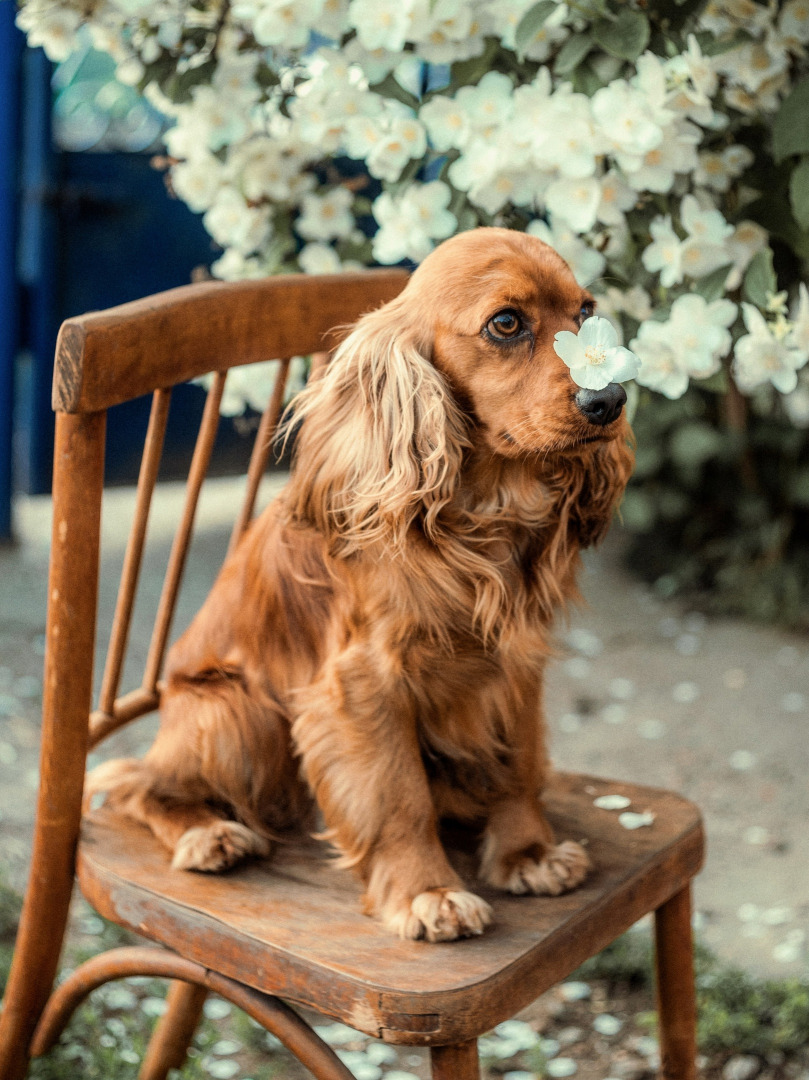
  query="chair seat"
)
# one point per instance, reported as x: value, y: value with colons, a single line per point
x: 292, y: 926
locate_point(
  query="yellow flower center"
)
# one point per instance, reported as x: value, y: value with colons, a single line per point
x: 595, y: 354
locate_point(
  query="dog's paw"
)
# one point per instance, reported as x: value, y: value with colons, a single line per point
x: 561, y: 869
x: 442, y: 915
x: 218, y: 846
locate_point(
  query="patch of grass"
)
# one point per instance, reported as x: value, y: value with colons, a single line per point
x: 95, y: 1046
x: 745, y: 1015
x: 738, y: 1013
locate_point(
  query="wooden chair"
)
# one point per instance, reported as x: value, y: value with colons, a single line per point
x: 290, y: 930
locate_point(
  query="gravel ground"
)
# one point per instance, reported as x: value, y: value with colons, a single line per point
x: 643, y: 690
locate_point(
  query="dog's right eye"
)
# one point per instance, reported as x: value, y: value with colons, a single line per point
x: 505, y: 324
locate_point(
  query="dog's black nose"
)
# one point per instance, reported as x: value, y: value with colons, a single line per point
x: 601, y: 407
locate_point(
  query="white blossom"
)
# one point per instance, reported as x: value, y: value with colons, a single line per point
x: 665, y: 253
x: 623, y: 115
x: 755, y: 63
x: 658, y: 168
x: 409, y: 224
x: 659, y: 368
x: 489, y: 103
x: 250, y: 385
x: 217, y: 119
x: 747, y: 240
x: 317, y: 258
x: 566, y: 136
x: 326, y: 217
x: 233, y: 266
x: 616, y: 198
x: 793, y: 22
x: 447, y: 124
x: 235, y: 78
x: 550, y: 33
x: 799, y: 330
x: 699, y: 333
x: 594, y: 356
x: 586, y: 263
x: 764, y: 355
x: 232, y: 223
x: 796, y: 403
x: 705, y: 248
x: 51, y: 26
x: 381, y: 24
x: 446, y: 31
x: 576, y: 201
x: 718, y: 170
x: 404, y: 139
x: 693, y: 82
x: 197, y: 181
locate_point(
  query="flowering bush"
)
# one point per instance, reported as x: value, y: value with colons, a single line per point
x: 662, y: 149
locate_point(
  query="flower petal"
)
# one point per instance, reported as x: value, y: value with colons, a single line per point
x: 622, y: 363
x: 598, y: 331
x: 589, y: 377
x: 785, y: 381
x: 568, y: 346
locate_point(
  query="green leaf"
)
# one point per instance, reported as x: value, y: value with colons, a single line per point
x: 572, y: 53
x: 759, y: 279
x: 790, y: 130
x: 626, y: 38
x: 467, y: 219
x: 389, y: 87
x: 712, y: 286
x: 179, y: 86
x: 711, y: 45
x: 465, y: 72
x: 532, y: 21
x: 585, y: 81
x: 799, y: 193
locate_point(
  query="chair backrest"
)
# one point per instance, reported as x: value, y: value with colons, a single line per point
x: 151, y: 345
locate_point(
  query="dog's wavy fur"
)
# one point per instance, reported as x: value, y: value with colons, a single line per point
x: 376, y: 644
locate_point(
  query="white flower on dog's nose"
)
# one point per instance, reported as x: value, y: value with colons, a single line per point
x: 594, y: 356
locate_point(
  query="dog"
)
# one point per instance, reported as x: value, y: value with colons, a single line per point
x: 374, y: 648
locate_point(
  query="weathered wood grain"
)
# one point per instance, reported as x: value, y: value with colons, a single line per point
x: 293, y: 926
x: 107, y: 357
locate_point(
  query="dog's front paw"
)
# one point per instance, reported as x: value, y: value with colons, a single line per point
x: 560, y: 869
x: 442, y: 915
x: 217, y: 847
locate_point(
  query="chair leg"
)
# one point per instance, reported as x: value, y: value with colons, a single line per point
x: 676, y: 993
x: 458, y: 1062
x: 171, y: 1038
x: 68, y: 683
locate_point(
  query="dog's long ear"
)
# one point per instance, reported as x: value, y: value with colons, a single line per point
x: 381, y: 440
x: 603, y: 477
x: 586, y: 492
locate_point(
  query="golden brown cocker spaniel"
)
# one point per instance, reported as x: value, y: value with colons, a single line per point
x: 376, y: 644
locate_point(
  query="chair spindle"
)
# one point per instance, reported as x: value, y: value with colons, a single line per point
x: 150, y: 463
x: 182, y: 539
x: 261, y: 452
